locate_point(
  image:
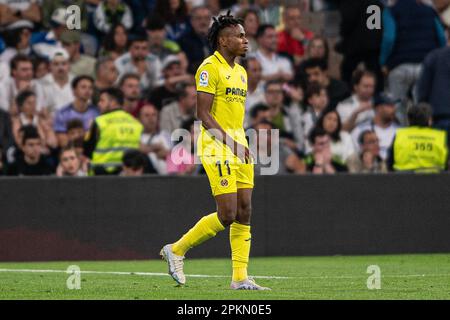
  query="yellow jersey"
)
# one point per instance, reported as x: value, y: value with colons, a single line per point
x: 229, y: 87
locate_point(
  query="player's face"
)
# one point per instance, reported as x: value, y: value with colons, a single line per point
x: 237, y: 42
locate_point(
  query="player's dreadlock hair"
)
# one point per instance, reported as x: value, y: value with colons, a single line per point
x: 220, y: 23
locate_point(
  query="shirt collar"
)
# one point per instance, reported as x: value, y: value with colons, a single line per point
x: 219, y: 57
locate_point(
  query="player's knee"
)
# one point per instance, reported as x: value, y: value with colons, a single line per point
x: 227, y: 215
x: 245, y: 210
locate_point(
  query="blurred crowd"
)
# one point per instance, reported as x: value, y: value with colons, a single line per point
x: 67, y: 96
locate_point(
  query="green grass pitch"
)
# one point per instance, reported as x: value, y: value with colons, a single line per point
x: 424, y: 276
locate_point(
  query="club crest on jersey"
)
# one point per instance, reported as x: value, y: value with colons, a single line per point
x: 224, y: 183
x: 203, y: 81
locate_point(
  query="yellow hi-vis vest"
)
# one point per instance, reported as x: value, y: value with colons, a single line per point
x: 119, y: 131
x: 420, y: 149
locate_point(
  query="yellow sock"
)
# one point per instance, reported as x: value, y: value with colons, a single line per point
x: 240, y: 240
x: 206, y: 228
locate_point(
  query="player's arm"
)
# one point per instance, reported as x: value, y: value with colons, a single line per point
x: 204, y: 104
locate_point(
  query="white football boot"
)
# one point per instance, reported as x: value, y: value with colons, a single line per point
x: 247, y: 284
x: 175, y: 264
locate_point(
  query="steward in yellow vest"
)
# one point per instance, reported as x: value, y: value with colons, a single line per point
x: 112, y: 133
x: 419, y: 148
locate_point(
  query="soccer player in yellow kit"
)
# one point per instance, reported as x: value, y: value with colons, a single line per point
x: 223, y: 149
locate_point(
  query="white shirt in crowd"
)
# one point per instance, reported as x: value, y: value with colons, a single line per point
x: 385, y: 135
x: 162, y: 138
x: 348, y: 106
x: 271, y: 66
x: 344, y: 148
x: 151, y: 78
x: 20, y: 5
x: 252, y: 99
x: 9, y: 91
x: 57, y: 97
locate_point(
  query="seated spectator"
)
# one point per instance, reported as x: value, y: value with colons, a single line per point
x: 81, y: 108
x: 341, y: 141
x: 80, y: 64
x: 110, y: 13
x: 139, y: 60
x: 383, y: 124
x: 317, y: 70
x: 293, y: 39
x: 129, y: 85
x: 105, y: 76
x: 418, y: 147
x: 269, y: 12
x: 21, y: 79
x: 173, y: 114
x: 45, y: 43
x: 195, y: 42
x: 286, y: 118
x: 250, y: 19
x: 258, y: 113
x: 41, y: 68
x: 32, y: 162
x: 320, y: 160
x: 133, y: 164
x: 28, y: 115
x: 57, y: 84
x: 318, y: 48
x: 18, y: 41
x: 115, y: 42
x: 75, y: 131
x: 359, y: 106
x: 182, y: 159
x: 255, y: 85
x: 368, y: 160
x: 154, y: 142
x: 174, y: 79
x: 175, y: 15
x: 274, y: 66
x: 157, y: 39
x: 287, y: 162
x: 317, y: 102
x: 6, y: 134
x: 70, y: 164
x: 16, y: 14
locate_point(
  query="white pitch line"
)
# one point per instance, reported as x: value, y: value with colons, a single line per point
x: 154, y: 274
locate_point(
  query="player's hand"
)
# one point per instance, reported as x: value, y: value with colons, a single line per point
x: 242, y: 152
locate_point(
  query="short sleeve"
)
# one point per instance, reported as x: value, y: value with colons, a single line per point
x: 206, y: 78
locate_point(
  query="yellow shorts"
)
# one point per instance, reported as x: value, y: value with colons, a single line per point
x: 227, y: 176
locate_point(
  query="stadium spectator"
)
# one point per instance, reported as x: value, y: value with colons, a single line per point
x: 433, y: 86
x: 293, y: 39
x: 129, y: 85
x: 30, y: 162
x: 174, y: 79
x: 411, y: 29
x: 359, y: 106
x: 115, y: 42
x: 41, y: 68
x: 368, y: 160
x: 286, y: 118
x: 195, y: 42
x: 113, y: 132
x: 317, y: 70
x: 383, y: 124
x: 318, y: 48
x: 175, y: 14
x: 173, y: 114
x: 70, y: 164
x: 6, y: 135
x: 341, y: 142
x: 418, y: 147
x: 81, y: 108
x: 17, y: 41
x: 46, y: 42
x: 288, y: 161
x: 320, y: 160
x: 57, y: 84
x: 157, y: 39
x: 317, y: 102
x: 139, y: 60
x: 110, y: 13
x: 258, y: 113
x: 16, y: 14
x: 28, y: 115
x: 21, y: 79
x: 443, y: 8
x: 255, y: 91
x: 251, y: 23
x: 75, y: 131
x: 80, y: 64
x: 274, y: 66
x: 133, y: 163
x: 268, y: 11
x: 358, y: 43
x: 105, y: 76
x: 154, y: 142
